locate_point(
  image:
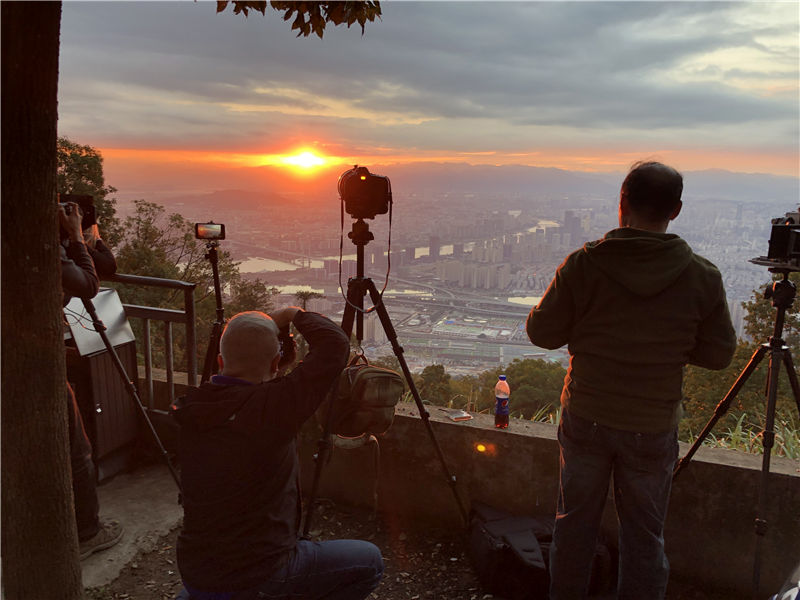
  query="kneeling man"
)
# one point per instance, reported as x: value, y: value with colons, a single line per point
x: 240, y: 470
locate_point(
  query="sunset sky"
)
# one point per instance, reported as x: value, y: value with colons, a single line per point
x: 174, y: 90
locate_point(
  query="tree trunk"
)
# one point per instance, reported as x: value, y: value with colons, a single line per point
x: 39, y: 539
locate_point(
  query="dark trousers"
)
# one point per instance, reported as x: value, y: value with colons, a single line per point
x: 640, y: 466
x: 84, y: 487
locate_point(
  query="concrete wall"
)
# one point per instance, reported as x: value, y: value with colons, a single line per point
x: 709, y: 531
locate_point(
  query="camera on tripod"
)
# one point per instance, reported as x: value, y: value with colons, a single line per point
x: 364, y: 194
x: 784, y: 243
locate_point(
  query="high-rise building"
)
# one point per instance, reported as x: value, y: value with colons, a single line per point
x: 572, y: 224
x: 450, y: 271
x: 373, y: 330
x: 435, y: 247
x: 503, y: 276
x: 331, y: 267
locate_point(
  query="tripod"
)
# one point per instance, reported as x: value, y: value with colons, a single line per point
x: 100, y: 328
x: 782, y: 294
x: 210, y: 362
x: 357, y: 288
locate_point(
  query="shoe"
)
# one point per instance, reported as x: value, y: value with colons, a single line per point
x: 110, y: 533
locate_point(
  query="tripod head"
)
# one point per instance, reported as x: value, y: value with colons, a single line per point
x: 782, y: 293
x: 211, y: 247
x: 360, y: 234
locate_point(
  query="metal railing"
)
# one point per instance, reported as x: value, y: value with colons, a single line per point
x: 167, y: 316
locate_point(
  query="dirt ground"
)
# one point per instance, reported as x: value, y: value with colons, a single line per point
x: 422, y: 563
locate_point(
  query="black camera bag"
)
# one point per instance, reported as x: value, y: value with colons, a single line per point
x: 511, y: 555
x: 506, y: 554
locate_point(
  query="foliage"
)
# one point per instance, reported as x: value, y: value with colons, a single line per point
x: 79, y: 170
x: 434, y: 385
x: 535, y: 386
x: 303, y: 296
x: 311, y: 16
x: 249, y: 295
x: 743, y: 438
x: 547, y: 414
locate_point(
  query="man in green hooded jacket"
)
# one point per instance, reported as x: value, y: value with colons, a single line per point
x: 634, y: 308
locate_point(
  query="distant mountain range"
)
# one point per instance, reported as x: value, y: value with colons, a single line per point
x: 270, y: 186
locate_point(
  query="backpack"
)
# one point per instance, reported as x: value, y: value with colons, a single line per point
x: 364, y: 399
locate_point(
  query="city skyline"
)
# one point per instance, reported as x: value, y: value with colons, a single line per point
x: 175, y: 90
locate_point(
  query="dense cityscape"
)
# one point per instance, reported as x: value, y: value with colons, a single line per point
x: 465, y: 269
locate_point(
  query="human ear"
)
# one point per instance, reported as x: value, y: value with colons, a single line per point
x: 677, y: 211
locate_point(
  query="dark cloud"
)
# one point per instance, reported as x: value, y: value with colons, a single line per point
x: 159, y: 71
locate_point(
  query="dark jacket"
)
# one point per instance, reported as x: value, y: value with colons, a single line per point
x: 78, y: 275
x: 634, y: 307
x: 104, y: 261
x: 239, y: 465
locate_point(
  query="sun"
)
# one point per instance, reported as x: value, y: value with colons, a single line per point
x: 305, y: 160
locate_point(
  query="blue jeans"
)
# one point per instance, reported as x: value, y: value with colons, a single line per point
x: 330, y: 570
x: 641, y: 466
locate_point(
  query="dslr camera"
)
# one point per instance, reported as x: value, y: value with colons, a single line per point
x: 364, y: 194
x: 85, y: 204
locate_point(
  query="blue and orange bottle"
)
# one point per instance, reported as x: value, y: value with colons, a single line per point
x: 501, y: 409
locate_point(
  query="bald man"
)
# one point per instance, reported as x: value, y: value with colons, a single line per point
x: 240, y: 471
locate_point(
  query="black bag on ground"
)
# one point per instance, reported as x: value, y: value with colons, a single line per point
x: 511, y: 555
x: 506, y: 554
x: 365, y: 398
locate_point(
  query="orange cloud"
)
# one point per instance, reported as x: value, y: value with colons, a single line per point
x: 576, y: 159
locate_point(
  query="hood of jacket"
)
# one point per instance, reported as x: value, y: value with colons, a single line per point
x: 644, y: 262
x: 207, y: 407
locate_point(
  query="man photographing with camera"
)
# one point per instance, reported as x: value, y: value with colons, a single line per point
x: 83, y: 209
x: 79, y: 279
x: 240, y: 471
x: 635, y: 307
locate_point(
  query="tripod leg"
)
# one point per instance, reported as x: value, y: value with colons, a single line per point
x: 100, y: 328
x: 790, y: 371
x: 324, y: 446
x: 423, y: 413
x: 210, y: 362
x: 722, y: 407
x: 768, y: 441
x: 355, y: 299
